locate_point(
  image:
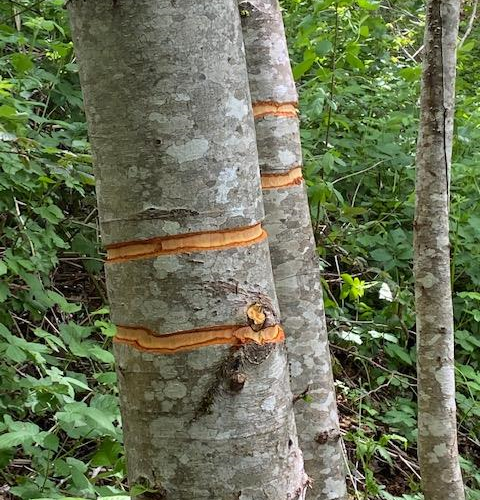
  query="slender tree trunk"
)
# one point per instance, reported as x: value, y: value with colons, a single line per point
x: 205, y: 397
x: 437, y: 429
x: 292, y: 245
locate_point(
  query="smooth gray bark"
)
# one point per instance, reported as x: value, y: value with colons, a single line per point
x: 172, y: 133
x: 292, y: 247
x: 437, y: 429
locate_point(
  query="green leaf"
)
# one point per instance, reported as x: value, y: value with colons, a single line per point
x: 139, y: 489
x: 300, y: 69
x: 51, y: 442
x: 467, y: 47
x: 347, y: 278
x: 51, y: 213
x: 108, y: 378
x: 16, y: 438
x: 364, y: 31
x: 108, y: 329
x: 21, y: 62
x: 107, y: 454
x: 323, y: 47
x: 3, y: 268
x: 101, y: 354
x: 411, y: 74
x: 11, y: 114
x: 368, y: 4
x: 102, y: 311
x: 7, y: 111
x: 383, y: 452
x: 349, y: 336
x: 81, y: 482
x: 52, y: 340
x: 381, y: 255
x: 62, y: 303
x: 15, y: 354
x: 469, y: 295
x: 399, y: 352
x: 354, y: 61
x: 72, y: 331
x: 4, y: 291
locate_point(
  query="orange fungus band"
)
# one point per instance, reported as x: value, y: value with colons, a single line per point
x: 144, y: 339
x: 271, y: 108
x: 185, y: 243
x: 274, y: 181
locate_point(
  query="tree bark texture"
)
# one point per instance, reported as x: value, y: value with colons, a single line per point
x: 292, y: 245
x: 205, y: 396
x: 437, y: 429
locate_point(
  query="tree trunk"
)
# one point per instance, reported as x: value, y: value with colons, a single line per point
x: 437, y: 429
x: 205, y: 397
x: 292, y: 245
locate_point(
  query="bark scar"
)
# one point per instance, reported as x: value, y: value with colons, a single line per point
x: 273, y: 108
x: 144, y: 339
x: 293, y: 177
x: 230, y: 375
x: 185, y: 243
x: 445, y: 107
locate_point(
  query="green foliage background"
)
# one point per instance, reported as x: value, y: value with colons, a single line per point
x: 357, y: 64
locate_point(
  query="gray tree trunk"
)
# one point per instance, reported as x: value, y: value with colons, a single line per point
x: 292, y: 245
x: 437, y: 429
x: 205, y: 396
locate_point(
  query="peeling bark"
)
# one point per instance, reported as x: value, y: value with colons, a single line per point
x: 437, y: 429
x: 292, y: 245
x: 172, y: 134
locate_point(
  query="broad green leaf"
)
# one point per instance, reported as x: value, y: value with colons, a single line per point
x: 51, y: 442
x: 22, y: 62
x: 51, y: 213
x: 347, y: 278
x: 323, y: 47
x: 349, y: 336
x: 468, y: 46
x: 62, y: 303
x: 101, y: 354
x: 399, y: 352
x: 381, y: 255
x: 355, y: 61
x: 15, y: 354
x: 411, y: 74
x: 16, y: 438
x: 300, y: 69
x: 108, y: 378
x: 364, y: 31
x: 368, y: 4
x: 4, y: 291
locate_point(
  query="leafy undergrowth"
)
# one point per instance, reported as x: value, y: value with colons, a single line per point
x: 60, y: 427
x: 357, y: 63
x: 60, y: 431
